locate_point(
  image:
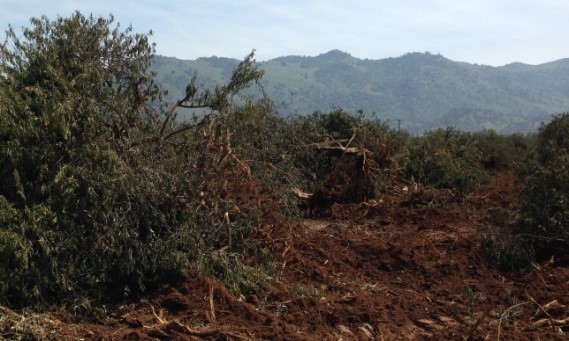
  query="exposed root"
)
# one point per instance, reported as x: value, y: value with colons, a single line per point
x: 211, y: 314
x: 542, y: 310
x: 548, y: 320
x: 504, y: 315
x: 163, y: 326
x: 355, y: 179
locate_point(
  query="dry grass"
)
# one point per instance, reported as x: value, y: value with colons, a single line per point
x: 27, y: 326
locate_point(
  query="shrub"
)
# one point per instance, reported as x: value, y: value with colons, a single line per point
x: 545, y: 191
x: 502, y: 152
x: 510, y: 252
x: 444, y: 158
x: 79, y: 216
x: 104, y: 193
x: 537, y: 227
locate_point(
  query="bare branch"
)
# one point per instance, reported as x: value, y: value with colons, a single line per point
x: 336, y: 145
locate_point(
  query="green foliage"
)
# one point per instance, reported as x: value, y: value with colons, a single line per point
x: 536, y: 228
x: 67, y: 84
x: 502, y: 152
x: 234, y: 272
x: 421, y: 91
x: 103, y: 192
x: 553, y: 140
x: 314, y: 164
x: 444, y: 158
x: 311, y: 133
x: 544, y: 217
x: 76, y: 209
x: 508, y: 251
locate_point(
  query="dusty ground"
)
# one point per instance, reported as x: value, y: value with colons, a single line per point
x: 412, y: 269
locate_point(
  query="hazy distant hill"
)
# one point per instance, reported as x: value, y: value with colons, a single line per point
x: 422, y: 91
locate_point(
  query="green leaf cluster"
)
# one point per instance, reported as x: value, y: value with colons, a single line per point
x: 444, y: 158
x: 544, y: 217
x: 76, y: 210
x: 103, y: 192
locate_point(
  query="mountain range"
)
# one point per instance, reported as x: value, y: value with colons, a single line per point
x: 416, y: 92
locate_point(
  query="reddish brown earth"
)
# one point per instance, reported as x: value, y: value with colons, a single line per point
x: 410, y: 268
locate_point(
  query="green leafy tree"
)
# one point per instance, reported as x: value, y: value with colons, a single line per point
x: 536, y: 228
x: 68, y: 84
x: 74, y: 94
x: 444, y: 158
x: 103, y: 191
x: 545, y: 192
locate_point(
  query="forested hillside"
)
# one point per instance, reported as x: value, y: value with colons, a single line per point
x: 418, y: 91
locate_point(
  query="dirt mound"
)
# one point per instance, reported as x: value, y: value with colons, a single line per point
x: 412, y: 270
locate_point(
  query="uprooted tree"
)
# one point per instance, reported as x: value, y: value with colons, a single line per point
x: 343, y: 159
x: 103, y: 192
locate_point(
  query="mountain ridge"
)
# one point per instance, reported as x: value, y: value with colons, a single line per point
x: 419, y: 91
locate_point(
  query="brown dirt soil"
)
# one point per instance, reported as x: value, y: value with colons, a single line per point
x: 407, y: 267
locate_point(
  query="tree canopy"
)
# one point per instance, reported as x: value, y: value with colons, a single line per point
x: 98, y: 178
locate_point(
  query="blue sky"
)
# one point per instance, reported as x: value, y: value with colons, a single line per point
x: 491, y: 32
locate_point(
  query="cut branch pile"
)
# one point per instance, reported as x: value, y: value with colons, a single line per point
x: 356, y: 179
